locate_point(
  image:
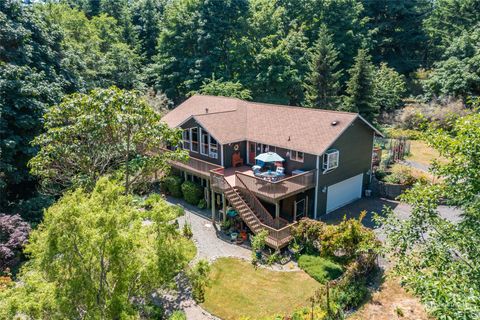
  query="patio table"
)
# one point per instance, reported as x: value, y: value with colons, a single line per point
x: 269, y: 175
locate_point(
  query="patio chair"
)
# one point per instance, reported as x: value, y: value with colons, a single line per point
x: 256, y: 170
x: 280, y: 172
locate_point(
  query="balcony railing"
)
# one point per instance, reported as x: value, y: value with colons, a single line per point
x: 194, y: 166
x: 277, y: 190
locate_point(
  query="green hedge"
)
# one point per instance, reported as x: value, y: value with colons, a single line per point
x: 173, y: 185
x: 319, y: 268
x: 192, y: 192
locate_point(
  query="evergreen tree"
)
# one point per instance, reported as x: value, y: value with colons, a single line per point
x: 322, y: 83
x: 146, y: 16
x: 396, y: 29
x: 31, y: 78
x: 360, y: 90
x: 196, y: 41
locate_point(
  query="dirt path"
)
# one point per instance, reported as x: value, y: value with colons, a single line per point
x: 391, y: 302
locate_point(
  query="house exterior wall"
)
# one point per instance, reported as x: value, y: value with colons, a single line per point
x: 229, y: 149
x: 355, y: 157
x: 309, y: 161
x: 192, y: 123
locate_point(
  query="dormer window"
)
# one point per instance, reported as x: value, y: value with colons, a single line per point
x: 330, y: 160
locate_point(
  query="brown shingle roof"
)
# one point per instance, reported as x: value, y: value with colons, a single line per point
x: 231, y: 120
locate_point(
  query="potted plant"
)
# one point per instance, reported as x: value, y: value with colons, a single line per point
x: 258, y: 244
x: 295, y: 248
x: 226, y: 225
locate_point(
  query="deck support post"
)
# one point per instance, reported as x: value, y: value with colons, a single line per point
x: 185, y: 175
x: 224, y: 207
x: 213, y: 206
x: 277, y: 210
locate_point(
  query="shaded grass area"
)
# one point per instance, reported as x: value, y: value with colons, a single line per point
x: 239, y: 290
x: 320, y: 269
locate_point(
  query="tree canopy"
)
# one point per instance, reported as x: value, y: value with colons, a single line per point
x: 97, y: 254
x: 436, y: 257
x: 108, y: 131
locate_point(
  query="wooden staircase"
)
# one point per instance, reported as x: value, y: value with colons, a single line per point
x: 252, y: 212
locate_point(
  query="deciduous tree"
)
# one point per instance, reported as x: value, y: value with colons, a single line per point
x: 109, y: 131
x: 436, y: 257
x: 98, y: 255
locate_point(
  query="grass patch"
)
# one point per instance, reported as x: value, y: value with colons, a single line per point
x: 420, y: 152
x: 238, y: 290
x: 319, y: 268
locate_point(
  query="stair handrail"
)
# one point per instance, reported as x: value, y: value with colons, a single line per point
x: 257, y: 204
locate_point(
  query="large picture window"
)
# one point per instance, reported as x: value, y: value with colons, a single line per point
x: 194, y: 139
x: 186, y: 139
x: 204, y: 139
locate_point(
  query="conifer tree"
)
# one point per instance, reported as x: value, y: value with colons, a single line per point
x: 360, y: 97
x: 322, y: 83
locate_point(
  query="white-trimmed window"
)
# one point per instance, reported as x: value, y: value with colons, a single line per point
x: 186, y: 139
x: 204, y: 137
x: 296, y: 156
x: 330, y: 160
x: 194, y: 139
x: 213, y: 148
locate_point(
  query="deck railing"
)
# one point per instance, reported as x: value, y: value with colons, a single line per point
x: 194, y: 165
x: 276, y: 190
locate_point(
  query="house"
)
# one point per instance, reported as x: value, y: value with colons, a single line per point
x: 328, y: 159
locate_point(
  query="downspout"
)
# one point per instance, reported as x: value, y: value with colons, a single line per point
x: 221, y: 155
x: 316, y: 190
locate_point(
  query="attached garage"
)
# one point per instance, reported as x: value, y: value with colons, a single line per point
x: 344, y: 192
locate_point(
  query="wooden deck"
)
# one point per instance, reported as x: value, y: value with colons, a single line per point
x: 268, y: 190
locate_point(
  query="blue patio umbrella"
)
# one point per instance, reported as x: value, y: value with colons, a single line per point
x: 269, y: 157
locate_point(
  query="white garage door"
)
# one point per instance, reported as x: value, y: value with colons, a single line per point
x: 344, y: 192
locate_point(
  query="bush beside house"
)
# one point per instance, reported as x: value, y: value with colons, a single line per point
x: 192, y: 192
x: 172, y: 184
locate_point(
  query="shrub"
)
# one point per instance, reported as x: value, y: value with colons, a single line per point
x: 192, y: 192
x: 187, y: 231
x: 441, y: 113
x: 307, y: 232
x: 352, y: 294
x: 151, y: 200
x: 199, y: 279
x: 178, y: 315
x: 259, y: 242
x: 173, y: 186
x: 319, y: 268
x: 202, y: 204
x: 13, y: 236
x: 401, y: 175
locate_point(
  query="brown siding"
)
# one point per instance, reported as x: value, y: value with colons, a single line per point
x: 228, y: 150
x: 355, y: 146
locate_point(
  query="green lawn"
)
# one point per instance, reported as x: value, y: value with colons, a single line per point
x: 319, y: 268
x: 237, y: 290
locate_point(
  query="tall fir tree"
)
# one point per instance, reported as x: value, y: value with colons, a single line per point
x: 322, y: 83
x: 360, y: 89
